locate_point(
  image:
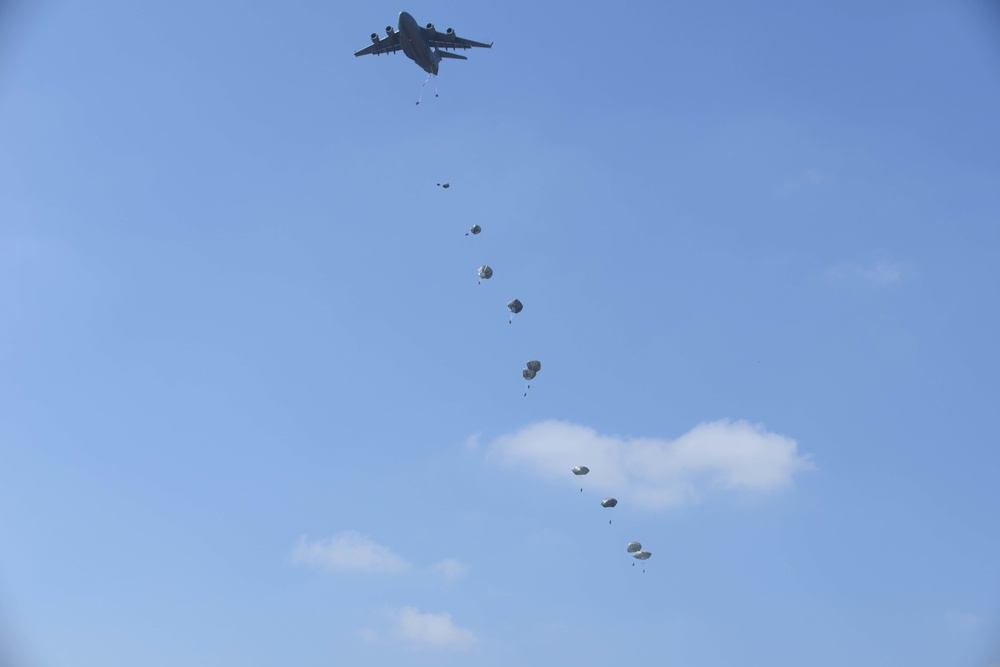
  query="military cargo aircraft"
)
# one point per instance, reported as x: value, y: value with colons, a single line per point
x: 421, y: 45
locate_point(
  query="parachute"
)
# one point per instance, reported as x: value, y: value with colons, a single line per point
x: 633, y: 547
x: 609, y: 503
x: 514, y: 307
x: 442, y: 185
x: 642, y: 555
x: 474, y: 229
x: 484, y: 273
x: 530, y: 369
x: 580, y: 470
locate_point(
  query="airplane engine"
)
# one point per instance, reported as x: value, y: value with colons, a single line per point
x: 389, y: 30
x: 430, y: 26
x: 374, y: 38
x: 450, y: 31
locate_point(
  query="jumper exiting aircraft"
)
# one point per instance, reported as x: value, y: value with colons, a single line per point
x: 421, y: 45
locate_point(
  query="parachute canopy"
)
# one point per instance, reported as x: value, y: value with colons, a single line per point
x: 580, y: 470
x: 485, y: 272
x: 534, y: 366
x: 515, y: 307
x: 444, y: 185
x: 528, y: 374
x: 609, y: 502
x: 633, y: 547
x: 642, y: 555
x: 474, y: 229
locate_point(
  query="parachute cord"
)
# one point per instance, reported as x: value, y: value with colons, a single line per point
x: 422, y: 89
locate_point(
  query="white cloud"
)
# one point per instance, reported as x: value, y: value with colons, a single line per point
x: 653, y: 472
x: 451, y: 569
x: 348, y: 552
x: 428, y: 630
x: 880, y: 273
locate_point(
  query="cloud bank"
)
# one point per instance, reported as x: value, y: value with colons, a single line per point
x: 651, y: 472
x: 348, y: 552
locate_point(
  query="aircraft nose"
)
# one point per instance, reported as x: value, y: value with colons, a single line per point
x: 403, y: 17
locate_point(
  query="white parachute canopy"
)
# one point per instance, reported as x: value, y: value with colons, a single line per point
x: 642, y: 555
x: 484, y: 273
x: 633, y: 547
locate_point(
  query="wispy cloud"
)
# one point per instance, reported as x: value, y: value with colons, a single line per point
x: 451, y: 569
x: 882, y: 272
x: 810, y: 177
x: 472, y: 442
x: 428, y: 630
x: 348, y: 552
x: 964, y: 619
x: 653, y: 472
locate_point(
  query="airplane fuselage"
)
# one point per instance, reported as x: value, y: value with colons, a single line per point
x: 414, y: 47
x: 424, y: 46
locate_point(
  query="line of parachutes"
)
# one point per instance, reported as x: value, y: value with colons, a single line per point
x: 634, y: 548
x: 531, y: 369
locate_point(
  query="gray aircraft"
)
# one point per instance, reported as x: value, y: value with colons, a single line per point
x: 421, y: 45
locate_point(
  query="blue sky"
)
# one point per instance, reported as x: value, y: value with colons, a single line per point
x: 255, y: 408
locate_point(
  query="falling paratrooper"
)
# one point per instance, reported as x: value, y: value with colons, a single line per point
x: 514, y: 307
x: 484, y: 273
x: 579, y: 471
x: 530, y: 371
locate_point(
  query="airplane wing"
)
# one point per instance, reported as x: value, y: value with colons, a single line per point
x: 449, y: 40
x: 388, y: 44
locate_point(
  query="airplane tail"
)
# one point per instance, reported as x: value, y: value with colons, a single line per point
x: 449, y: 54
